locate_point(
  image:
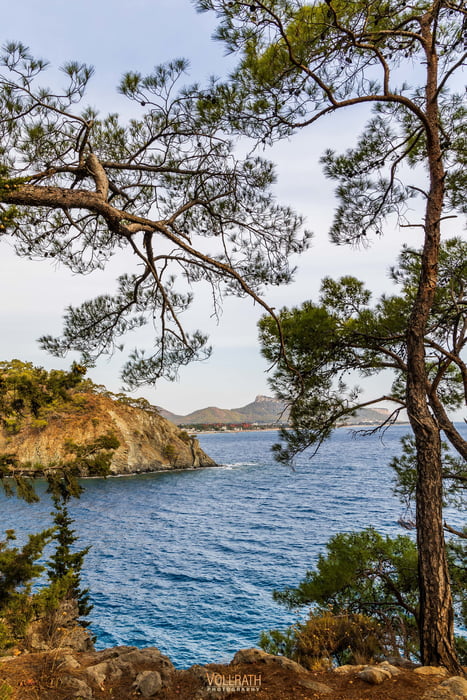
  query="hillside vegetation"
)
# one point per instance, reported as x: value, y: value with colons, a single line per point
x: 62, y: 421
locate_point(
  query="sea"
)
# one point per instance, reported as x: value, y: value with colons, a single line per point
x: 187, y: 561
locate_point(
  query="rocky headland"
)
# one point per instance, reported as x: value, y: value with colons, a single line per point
x: 53, y: 420
x: 147, y: 442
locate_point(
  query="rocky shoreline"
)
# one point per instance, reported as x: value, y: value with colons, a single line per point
x: 146, y: 441
x: 126, y: 673
x: 57, y: 661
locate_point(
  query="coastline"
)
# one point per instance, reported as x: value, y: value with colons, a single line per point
x: 351, y: 426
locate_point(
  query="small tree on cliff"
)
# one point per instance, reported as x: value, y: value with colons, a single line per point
x: 304, y: 61
x: 65, y: 564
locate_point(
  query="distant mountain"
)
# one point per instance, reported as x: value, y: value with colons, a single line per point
x: 263, y: 410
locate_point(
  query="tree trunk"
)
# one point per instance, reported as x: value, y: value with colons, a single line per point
x: 436, y: 622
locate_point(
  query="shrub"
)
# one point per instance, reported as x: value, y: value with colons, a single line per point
x: 326, y: 639
x: 6, y: 691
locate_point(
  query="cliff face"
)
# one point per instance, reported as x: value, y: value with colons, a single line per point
x: 148, y: 442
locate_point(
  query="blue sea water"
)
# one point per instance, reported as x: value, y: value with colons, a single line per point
x: 187, y: 561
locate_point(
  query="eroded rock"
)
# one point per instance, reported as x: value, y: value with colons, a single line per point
x: 454, y: 688
x: 68, y: 663
x: 315, y: 686
x: 349, y: 668
x: 431, y: 671
x: 147, y: 442
x: 148, y: 683
x: 374, y: 675
x: 253, y: 656
x: 77, y: 688
x: 393, y: 670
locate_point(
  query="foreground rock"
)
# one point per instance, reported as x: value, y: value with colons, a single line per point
x: 454, y: 688
x: 128, y: 673
x: 59, y: 629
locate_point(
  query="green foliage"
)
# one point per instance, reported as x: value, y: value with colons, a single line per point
x: 461, y: 649
x: 364, y: 573
x: 328, y: 638
x: 27, y: 391
x: 183, y: 435
x: 279, y: 642
x: 65, y: 565
x: 457, y: 557
x: 90, y: 459
x: 18, y: 570
x: 204, y: 214
x: 8, y: 215
x: 345, y: 333
x: 300, y: 62
x: 6, y: 691
x: 365, y: 587
x: 18, y: 566
x: 454, y: 475
x: 358, y: 571
x: 169, y: 451
x: 28, y: 397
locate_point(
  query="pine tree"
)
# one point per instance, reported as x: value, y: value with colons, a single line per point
x: 300, y: 62
x: 65, y: 565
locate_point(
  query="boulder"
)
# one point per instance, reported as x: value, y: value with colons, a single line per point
x: 454, y: 688
x: 114, y: 662
x: 67, y: 663
x: 111, y: 653
x: 148, y: 683
x: 100, y: 673
x: 150, y: 656
x: 76, y: 688
x: 199, y: 672
x: 400, y: 662
x: 374, y: 675
x: 253, y: 656
x: 250, y: 656
x: 393, y: 670
x: 349, y: 668
x: 314, y: 686
x: 431, y: 671
x: 78, y: 638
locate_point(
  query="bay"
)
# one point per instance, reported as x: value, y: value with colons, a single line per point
x: 187, y: 561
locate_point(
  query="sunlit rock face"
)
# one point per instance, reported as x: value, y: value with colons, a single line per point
x: 147, y: 442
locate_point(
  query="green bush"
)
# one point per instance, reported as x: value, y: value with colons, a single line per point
x: 6, y: 691
x: 169, y: 451
x: 326, y: 639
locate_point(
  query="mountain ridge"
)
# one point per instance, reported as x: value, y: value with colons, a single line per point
x: 263, y: 410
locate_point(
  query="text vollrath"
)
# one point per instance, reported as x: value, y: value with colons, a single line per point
x: 244, y: 683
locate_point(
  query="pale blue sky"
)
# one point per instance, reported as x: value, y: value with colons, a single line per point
x: 117, y: 36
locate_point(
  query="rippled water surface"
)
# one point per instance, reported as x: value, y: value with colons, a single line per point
x: 186, y: 561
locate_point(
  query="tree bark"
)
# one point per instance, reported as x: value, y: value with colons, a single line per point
x: 436, y: 623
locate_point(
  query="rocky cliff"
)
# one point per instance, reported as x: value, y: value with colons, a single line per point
x: 147, y: 442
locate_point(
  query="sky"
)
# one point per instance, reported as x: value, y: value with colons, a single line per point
x: 118, y: 36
